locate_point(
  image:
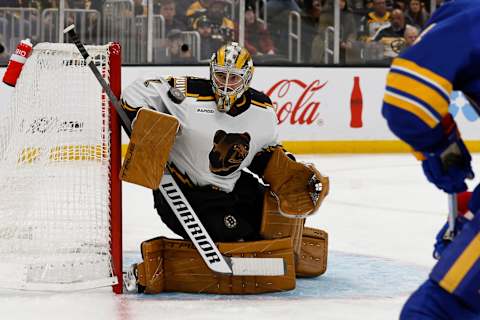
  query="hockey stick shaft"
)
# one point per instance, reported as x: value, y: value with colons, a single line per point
x: 177, y: 201
x: 452, y: 216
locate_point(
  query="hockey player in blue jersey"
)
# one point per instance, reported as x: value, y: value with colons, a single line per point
x: 445, y: 58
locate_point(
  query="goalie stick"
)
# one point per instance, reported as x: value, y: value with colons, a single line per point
x: 182, y: 209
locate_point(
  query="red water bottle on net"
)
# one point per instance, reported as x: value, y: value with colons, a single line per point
x: 16, y: 62
x: 356, y: 104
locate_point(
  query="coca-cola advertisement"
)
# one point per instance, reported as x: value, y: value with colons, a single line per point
x: 304, y: 109
x: 326, y: 104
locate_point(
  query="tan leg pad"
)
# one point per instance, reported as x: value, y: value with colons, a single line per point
x: 175, y: 265
x: 312, y: 260
x: 152, y: 139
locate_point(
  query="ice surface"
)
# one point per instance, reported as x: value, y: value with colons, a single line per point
x: 381, y: 216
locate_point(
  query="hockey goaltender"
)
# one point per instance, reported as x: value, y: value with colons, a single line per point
x: 243, y: 234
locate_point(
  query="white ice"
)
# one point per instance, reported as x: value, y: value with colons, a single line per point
x: 381, y: 216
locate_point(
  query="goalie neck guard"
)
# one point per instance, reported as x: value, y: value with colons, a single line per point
x: 231, y: 70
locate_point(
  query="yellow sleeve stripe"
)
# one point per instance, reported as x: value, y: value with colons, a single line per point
x: 419, y: 90
x: 261, y: 104
x: 436, y: 80
x: 128, y: 107
x: 464, y: 263
x: 411, y: 106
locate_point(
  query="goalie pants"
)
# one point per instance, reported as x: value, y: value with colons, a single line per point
x: 227, y: 217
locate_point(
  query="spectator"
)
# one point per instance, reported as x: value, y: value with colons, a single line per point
x: 138, y: 8
x: 410, y: 35
x: 348, y: 33
x: 374, y: 20
x: 392, y: 36
x: 48, y: 4
x: 416, y: 15
x: 358, y: 5
x: 199, y: 5
x: 182, y: 7
x: 197, y: 9
x: 168, y: 11
x: 278, y: 6
x: 76, y: 4
x: 310, y: 25
x: 221, y: 25
x: 348, y: 30
x: 178, y: 50
x: 96, y: 5
x: 257, y: 37
x: 277, y: 16
x: 400, y: 4
x: 209, y: 42
x: 395, y: 29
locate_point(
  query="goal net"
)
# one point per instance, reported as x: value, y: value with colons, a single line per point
x: 60, y: 223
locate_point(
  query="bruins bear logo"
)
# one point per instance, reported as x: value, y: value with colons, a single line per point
x: 228, y: 152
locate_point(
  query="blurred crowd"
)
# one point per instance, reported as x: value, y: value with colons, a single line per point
x: 371, y: 31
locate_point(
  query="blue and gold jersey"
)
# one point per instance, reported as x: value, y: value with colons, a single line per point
x: 446, y: 57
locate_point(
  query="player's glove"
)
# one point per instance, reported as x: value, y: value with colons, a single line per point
x: 299, y: 188
x: 448, y: 164
x: 466, y: 205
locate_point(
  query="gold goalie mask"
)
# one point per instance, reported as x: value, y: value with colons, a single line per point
x: 231, y: 70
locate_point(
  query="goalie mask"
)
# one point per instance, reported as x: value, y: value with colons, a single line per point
x: 231, y: 69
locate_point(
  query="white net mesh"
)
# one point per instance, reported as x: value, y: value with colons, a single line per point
x: 54, y: 174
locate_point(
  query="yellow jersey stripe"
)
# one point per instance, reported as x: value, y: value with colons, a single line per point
x: 436, y: 80
x: 412, y: 107
x: 221, y: 56
x: 419, y: 90
x: 205, y: 98
x: 460, y: 268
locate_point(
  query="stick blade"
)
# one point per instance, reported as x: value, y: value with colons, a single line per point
x: 258, y: 266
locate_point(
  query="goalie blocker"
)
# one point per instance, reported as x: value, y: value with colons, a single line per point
x: 149, y: 147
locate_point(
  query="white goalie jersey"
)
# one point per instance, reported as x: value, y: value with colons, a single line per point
x: 211, y: 147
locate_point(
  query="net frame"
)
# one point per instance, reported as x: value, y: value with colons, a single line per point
x: 14, y: 274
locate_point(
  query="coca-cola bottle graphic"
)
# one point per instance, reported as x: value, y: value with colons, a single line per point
x: 356, y: 104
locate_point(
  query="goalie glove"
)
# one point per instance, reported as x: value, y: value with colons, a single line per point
x: 299, y: 188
